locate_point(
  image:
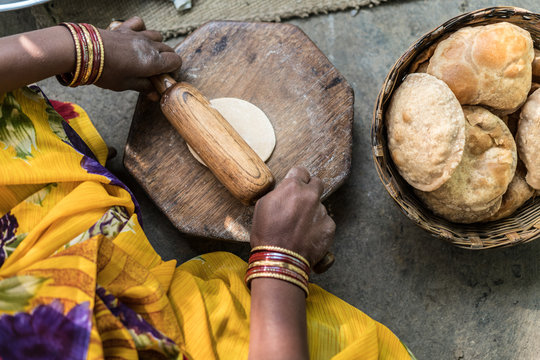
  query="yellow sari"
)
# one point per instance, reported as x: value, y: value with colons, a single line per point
x: 79, y: 279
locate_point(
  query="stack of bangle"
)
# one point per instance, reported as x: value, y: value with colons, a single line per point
x: 278, y: 263
x: 89, y: 55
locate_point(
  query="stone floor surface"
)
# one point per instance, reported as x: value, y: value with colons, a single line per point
x: 442, y: 301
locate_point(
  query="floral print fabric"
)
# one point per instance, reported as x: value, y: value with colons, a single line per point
x: 69, y: 237
x: 79, y: 279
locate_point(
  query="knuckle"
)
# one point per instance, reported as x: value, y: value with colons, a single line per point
x: 331, y: 227
x: 291, y: 185
x: 261, y: 203
x: 137, y: 20
x: 328, y: 225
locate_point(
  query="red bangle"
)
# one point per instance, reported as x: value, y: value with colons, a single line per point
x: 282, y: 251
x: 85, y: 56
x: 90, y: 55
x: 278, y: 263
x: 90, y: 62
x: 96, y: 53
x: 269, y: 255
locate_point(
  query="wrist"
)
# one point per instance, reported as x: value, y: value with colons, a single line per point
x: 64, y: 47
x: 278, y: 315
x: 277, y: 288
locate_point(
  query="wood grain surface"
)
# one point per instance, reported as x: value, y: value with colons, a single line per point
x: 277, y: 68
x: 222, y: 149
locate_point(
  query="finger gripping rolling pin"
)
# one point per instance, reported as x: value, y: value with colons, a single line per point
x: 226, y: 154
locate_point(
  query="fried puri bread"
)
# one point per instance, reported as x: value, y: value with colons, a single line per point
x: 426, y: 131
x: 489, y: 65
x: 517, y: 194
x: 474, y: 191
x: 528, y: 138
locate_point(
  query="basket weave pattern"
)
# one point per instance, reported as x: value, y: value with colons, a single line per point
x: 524, y: 224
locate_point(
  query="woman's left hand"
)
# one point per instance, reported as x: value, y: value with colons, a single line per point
x: 132, y: 55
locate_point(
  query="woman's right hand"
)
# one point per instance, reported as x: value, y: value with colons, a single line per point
x: 133, y: 54
x: 293, y: 217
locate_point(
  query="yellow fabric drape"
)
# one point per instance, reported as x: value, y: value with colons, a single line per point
x: 73, y: 254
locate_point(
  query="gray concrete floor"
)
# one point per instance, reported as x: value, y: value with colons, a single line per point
x: 443, y: 302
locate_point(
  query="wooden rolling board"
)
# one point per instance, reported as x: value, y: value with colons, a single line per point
x: 277, y: 68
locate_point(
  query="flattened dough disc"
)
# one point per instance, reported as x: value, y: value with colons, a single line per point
x: 249, y: 121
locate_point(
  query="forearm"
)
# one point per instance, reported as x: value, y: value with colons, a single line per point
x: 34, y: 56
x: 277, y: 321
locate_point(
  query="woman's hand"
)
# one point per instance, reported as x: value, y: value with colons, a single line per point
x: 132, y: 54
x: 292, y: 217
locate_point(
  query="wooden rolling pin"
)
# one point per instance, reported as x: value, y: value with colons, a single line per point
x: 225, y: 153
x: 222, y: 149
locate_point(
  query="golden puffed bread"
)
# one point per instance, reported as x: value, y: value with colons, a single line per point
x: 488, y: 65
x: 517, y: 194
x: 474, y: 192
x: 528, y: 138
x: 426, y: 131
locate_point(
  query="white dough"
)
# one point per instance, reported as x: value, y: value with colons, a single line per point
x: 250, y: 122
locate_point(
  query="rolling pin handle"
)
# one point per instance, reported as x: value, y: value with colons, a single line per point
x: 162, y: 82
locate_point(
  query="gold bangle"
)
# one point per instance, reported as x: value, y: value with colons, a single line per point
x: 77, y: 51
x: 281, y: 264
x: 102, y: 50
x: 281, y: 250
x: 89, y: 42
x: 279, y: 277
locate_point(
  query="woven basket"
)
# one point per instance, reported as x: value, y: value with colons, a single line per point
x: 524, y: 224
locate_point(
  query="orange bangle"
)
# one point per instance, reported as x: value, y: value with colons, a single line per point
x: 89, y: 65
x: 277, y: 276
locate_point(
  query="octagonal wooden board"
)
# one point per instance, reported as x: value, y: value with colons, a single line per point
x: 277, y: 68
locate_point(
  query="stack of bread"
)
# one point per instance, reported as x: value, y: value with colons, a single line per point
x: 464, y: 126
